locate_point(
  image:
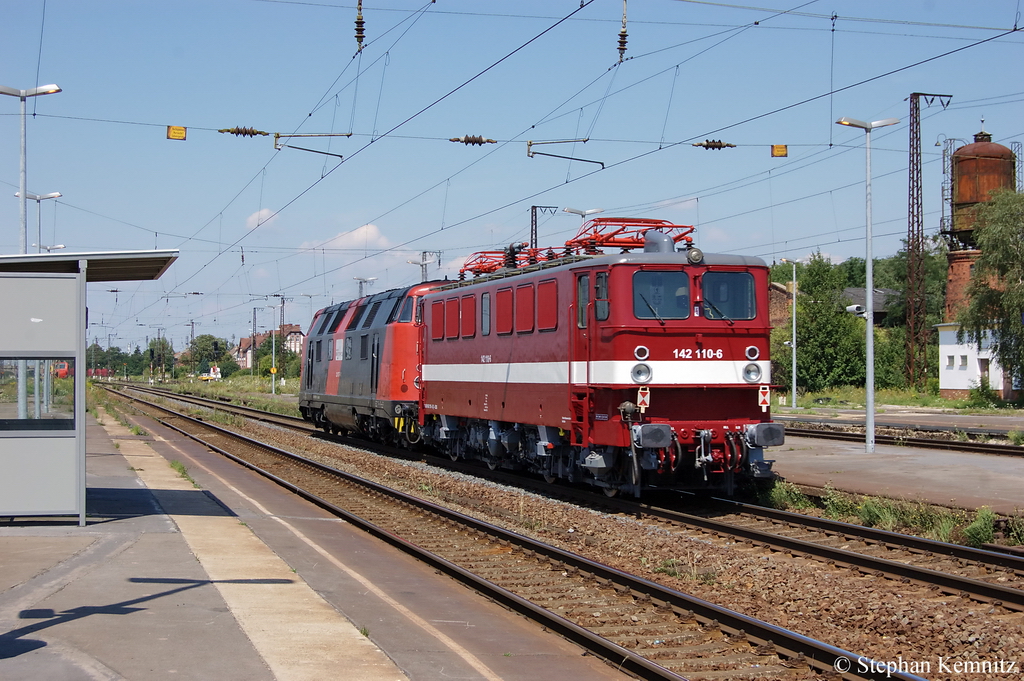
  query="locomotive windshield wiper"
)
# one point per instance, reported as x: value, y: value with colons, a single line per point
x: 651, y: 308
x: 720, y: 313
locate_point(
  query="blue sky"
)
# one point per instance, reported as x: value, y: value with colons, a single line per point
x: 254, y: 223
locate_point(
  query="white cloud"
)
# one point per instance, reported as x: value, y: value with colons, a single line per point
x: 262, y: 218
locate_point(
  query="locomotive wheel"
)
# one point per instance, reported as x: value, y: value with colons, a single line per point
x: 550, y: 479
x: 611, y: 491
x: 492, y: 464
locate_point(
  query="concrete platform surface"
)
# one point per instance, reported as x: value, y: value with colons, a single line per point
x: 236, y: 578
x: 960, y: 480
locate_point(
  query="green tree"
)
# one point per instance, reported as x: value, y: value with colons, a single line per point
x: 995, y: 294
x: 830, y: 341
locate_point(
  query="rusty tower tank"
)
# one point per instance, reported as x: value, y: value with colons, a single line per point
x: 975, y: 171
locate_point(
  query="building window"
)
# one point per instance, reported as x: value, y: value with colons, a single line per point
x: 963, y: 360
x: 950, y: 360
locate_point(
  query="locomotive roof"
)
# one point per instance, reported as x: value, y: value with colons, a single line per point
x: 637, y: 258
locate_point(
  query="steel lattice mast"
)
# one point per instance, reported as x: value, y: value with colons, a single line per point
x: 917, y: 329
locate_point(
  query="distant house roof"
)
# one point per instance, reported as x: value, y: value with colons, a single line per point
x: 882, y: 299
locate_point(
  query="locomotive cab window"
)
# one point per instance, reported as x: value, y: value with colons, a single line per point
x: 729, y: 295
x: 406, y: 314
x: 661, y: 295
x: 601, y: 302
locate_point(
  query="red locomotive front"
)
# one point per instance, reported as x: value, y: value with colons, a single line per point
x: 627, y: 371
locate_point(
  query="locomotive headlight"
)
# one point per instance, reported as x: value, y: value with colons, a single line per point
x: 641, y: 373
x: 694, y: 255
x: 752, y: 373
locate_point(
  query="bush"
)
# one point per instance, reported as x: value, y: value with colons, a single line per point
x: 784, y: 495
x: 838, y: 506
x: 1015, y: 530
x: 983, y: 529
x: 982, y: 396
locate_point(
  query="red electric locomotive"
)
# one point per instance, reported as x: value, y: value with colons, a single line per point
x: 640, y: 369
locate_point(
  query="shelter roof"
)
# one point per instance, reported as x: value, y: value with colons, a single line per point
x: 102, y: 265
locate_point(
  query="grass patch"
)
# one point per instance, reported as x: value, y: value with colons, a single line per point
x: 183, y: 472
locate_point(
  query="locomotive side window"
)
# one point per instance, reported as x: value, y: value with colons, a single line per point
x: 661, y: 295
x: 547, y: 305
x: 525, y: 304
x: 318, y: 346
x: 364, y: 346
x: 437, y: 320
x: 582, y: 300
x: 330, y: 349
x: 468, y: 316
x: 406, y: 314
x: 503, y: 313
x: 348, y: 348
x: 601, y: 303
x: 485, y: 314
x: 451, y: 318
x: 729, y: 295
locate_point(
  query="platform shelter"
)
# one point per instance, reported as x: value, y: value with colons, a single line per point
x: 43, y: 331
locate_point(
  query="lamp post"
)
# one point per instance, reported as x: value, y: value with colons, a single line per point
x: 39, y: 198
x: 792, y: 400
x: 24, y: 95
x: 364, y: 280
x: 869, y: 302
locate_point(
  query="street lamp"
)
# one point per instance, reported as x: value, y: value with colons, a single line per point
x: 869, y: 294
x: 583, y: 213
x: 39, y: 198
x: 364, y: 280
x: 792, y: 400
x: 24, y: 95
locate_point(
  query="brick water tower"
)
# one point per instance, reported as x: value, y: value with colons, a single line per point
x: 972, y: 173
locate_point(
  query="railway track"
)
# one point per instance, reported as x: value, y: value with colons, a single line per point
x: 985, y: 576
x: 910, y: 441
x: 645, y: 628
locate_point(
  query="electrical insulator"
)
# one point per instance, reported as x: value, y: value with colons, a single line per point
x: 478, y: 140
x: 713, y: 144
x: 244, y: 132
x: 360, y: 34
x: 622, y: 44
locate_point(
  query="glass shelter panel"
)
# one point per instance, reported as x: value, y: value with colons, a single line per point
x: 47, y: 401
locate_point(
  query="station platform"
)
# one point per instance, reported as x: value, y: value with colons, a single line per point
x: 953, y: 479
x: 237, y: 579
